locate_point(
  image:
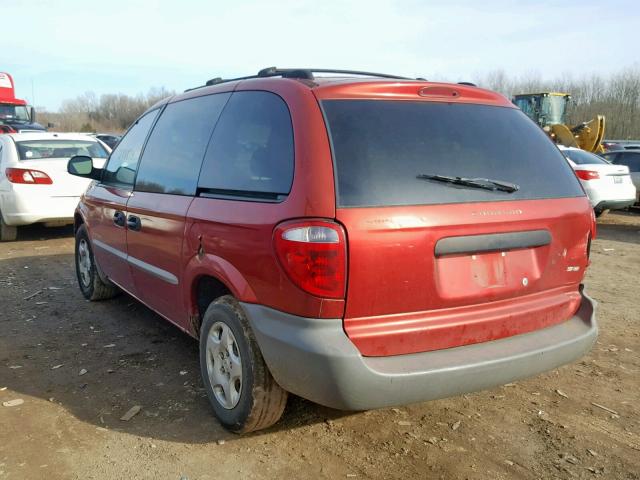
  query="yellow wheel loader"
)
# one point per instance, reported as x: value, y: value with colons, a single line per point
x: 549, y: 110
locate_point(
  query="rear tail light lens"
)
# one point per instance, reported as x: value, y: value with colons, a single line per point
x: 587, y: 174
x: 22, y: 175
x: 314, y: 256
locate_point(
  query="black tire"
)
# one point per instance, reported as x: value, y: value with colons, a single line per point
x: 8, y: 233
x: 91, y: 285
x: 600, y: 213
x: 261, y: 400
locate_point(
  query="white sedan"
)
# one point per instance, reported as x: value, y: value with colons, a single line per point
x: 609, y: 187
x: 34, y: 183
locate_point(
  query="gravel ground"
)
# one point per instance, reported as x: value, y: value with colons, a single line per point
x: 79, y: 366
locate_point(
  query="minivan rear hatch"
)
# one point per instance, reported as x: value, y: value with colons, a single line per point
x: 464, y: 223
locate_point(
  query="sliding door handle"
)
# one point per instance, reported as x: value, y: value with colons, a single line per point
x: 134, y: 223
x: 119, y: 218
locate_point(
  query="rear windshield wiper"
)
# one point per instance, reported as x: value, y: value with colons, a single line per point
x: 485, y: 183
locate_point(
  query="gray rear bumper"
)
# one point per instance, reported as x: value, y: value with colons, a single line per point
x: 313, y: 358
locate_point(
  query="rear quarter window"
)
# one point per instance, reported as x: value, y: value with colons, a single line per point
x: 251, y: 153
x: 380, y: 146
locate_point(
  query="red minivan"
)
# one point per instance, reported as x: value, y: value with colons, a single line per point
x: 360, y: 240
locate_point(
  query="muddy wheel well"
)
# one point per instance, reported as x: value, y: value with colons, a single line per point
x: 207, y: 290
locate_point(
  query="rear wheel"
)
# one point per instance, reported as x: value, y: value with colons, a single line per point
x: 8, y: 233
x: 91, y: 285
x: 244, y: 395
x: 600, y: 212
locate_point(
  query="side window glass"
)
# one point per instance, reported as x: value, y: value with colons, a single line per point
x: 622, y: 159
x: 123, y: 162
x: 173, y: 156
x: 251, y: 153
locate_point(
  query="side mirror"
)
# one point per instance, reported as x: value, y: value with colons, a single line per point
x: 82, y: 166
x: 32, y: 114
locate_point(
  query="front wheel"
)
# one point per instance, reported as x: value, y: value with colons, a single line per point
x: 91, y: 285
x: 244, y: 395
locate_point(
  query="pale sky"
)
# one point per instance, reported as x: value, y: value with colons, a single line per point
x: 67, y: 47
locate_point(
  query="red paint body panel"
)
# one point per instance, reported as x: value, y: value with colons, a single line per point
x: 7, y: 93
x: 159, y: 243
x: 14, y: 101
x: 237, y: 235
x: 99, y: 205
x: 403, y: 299
x: 453, y: 327
x: 410, y: 90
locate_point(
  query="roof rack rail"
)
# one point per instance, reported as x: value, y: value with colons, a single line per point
x: 300, y: 73
x: 469, y: 84
x: 307, y: 73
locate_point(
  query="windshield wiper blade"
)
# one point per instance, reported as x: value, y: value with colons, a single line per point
x: 485, y: 183
x: 500, y: 184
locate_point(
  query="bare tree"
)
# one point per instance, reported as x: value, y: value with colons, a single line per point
x: 109, y: 113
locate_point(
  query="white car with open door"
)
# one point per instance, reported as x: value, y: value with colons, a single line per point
x: 609, y: 187
x: 34, y: 183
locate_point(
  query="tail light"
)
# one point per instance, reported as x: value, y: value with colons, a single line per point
x: 313, y: 255
x: 22, y: 175
x: 587, y: 174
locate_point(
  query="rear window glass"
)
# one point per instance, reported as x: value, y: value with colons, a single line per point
x: 580, y: 157
x: 41, y: 149
x: 381, y: 146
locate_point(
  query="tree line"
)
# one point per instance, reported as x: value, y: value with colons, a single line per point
x: 108, y: 113
x: 617, y: 96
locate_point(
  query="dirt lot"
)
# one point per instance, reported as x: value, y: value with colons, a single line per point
x: 69, y: 425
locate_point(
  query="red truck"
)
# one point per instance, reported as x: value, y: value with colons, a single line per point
x: 15, y: 114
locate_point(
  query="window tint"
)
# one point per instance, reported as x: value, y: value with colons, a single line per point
x: 580, y: 157
x: 631, y: 160
x: 380, y: 146
x: 173, y: 156
x: 251, y: 151
x: 123, y: 162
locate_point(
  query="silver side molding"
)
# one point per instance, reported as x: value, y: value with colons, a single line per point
x: 147, y: 267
